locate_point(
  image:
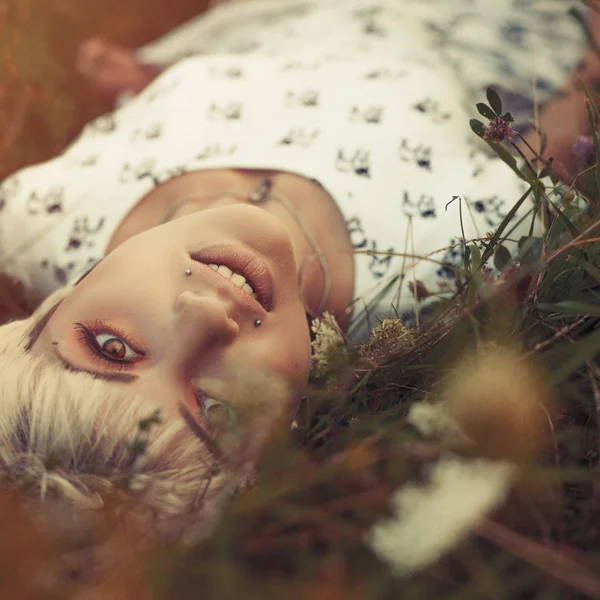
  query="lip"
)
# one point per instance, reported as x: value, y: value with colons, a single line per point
x: 242, y: 260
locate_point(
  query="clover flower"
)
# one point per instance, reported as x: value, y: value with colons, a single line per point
x: 583, y: 148
x: 499, y: 130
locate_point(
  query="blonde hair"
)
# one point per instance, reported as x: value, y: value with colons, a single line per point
x: 67, y: 437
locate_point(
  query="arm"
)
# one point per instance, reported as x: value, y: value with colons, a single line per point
x: 112, y: 69
x: 565, y: 117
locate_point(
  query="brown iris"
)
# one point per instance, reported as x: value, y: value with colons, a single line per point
x: 114, y: 347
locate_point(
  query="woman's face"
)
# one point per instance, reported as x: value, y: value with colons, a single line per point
x: 140, y: 321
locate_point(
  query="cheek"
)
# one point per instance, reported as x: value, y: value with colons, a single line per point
x: 290, y: 358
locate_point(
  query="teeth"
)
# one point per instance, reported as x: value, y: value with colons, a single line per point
x: 239, y: 280
x: 235, y: 278
x: 225, y: 271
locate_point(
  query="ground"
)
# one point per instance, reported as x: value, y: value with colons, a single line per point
x: 43, y: 102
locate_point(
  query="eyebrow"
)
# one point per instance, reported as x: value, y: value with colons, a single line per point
x: 35, y: 333
x: 37, y: 329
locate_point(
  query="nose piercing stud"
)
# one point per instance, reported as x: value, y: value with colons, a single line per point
x: 188, y: 272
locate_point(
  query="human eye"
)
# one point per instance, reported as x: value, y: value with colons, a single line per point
x: 108, y: 344
x: 219, y: 414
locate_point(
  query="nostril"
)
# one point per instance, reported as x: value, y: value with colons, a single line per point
x: 234, y: 328
x: 206, y: 316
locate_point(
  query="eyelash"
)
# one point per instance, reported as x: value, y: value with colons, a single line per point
x: 88, y: 332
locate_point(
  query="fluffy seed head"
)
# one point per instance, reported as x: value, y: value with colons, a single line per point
x: 501, y: 401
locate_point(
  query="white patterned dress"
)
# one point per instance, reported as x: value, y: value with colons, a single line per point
x: 370, y: 98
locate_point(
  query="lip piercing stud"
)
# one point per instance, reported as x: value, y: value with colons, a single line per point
x: 257, y: 323
x: 188, y: 272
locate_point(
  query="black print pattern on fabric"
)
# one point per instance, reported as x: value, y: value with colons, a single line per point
x: 370, y: 114
x: 514, y: 33
x: 219, y: 72
x: 307, y: 99
x: 358, y: 162
x: 89, y: 161
x: 214, y: 150
x: 9, y: 190
x: 370, y: 18
x: 419, y: 154
x: 358, y: 238
x: 50, y: 203
x: 244, y: 46
x: 432, y: 108
x: 228, y: 112
x: 83, y: 233
x: 453, y: 260
x: 299, y: 137
x: 297, y: 65
x: 152, y: 132
x: 422, y: 206
x: 164, y: 175
x: 492, y: 209
x: 137, y: 172
x: 385, y: 74
x: 380, y: 261
x: 146, y: 169
x: 61, y: 273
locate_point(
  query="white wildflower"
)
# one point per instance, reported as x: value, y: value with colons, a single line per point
x: 432, y: 518
x: 433, y: 421
x: 328, y: 340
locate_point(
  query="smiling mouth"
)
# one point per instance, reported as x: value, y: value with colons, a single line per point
x: 243, y: 269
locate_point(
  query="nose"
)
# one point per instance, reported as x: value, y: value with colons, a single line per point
x: 203, y: 321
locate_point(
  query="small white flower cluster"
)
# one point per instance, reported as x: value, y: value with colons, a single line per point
x: 432, y: 517
x: 327, y: 341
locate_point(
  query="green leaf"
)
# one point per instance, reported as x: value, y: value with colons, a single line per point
x: 592, y: 123
x: 530, y: 249
x: 494, y: 100
x: 475, y: 257
x: 567, y: 222
x: 572, y: 308
x: 508, y: 117
x: 505, y: 222
x: 570, y: 356
x: 544, y: 144
x: 477, y: 127
x: 507, y: 158
x: 485, y: 111
x: 591, y: 269
x: 502, y: 257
